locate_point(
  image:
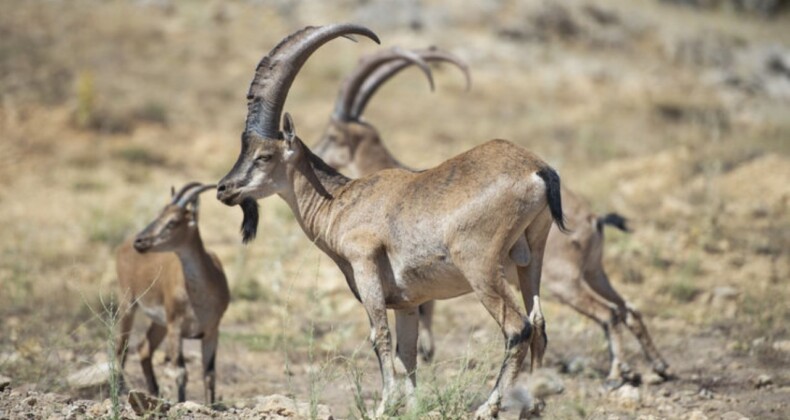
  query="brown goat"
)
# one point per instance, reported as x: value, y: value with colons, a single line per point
x: 573, y: 266
x: 403, y: 238
x: 168, y: 273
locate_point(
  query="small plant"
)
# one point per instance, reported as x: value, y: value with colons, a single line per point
x: 108, y: 315
x: 86, y: 100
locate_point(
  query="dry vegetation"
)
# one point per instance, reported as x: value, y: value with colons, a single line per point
x: 674, y: 117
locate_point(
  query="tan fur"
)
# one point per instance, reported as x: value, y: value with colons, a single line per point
x: 180, y: 286
x: 573, y: 263
x: 403, y: 238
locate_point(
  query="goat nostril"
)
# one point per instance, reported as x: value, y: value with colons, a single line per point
x: 221, y: 188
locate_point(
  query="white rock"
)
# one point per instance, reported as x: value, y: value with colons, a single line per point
x: 5, y: 382
x: 733, y: 415
x: 628, y: 396
x: 695, y: 415
x: 764, y: 380
x: 781, y: 345
x: 91, y: 376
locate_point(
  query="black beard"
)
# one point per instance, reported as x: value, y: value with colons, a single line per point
x: 249, y: 226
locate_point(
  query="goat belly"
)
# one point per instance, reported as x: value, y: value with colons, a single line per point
x: 156, y: 313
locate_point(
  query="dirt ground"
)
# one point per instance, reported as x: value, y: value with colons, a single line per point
x: 674, y: 116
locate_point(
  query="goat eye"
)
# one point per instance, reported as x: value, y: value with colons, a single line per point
x: 263, y: 158
x: 171, y: 224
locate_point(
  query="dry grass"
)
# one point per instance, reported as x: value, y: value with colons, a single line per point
x: 105, y: 105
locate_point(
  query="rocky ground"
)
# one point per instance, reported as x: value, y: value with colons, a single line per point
x: 672, y: 115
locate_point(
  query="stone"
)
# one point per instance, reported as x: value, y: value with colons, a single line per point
x: 628, y: 396
x: 695, y: 415
x: 577, y: 365
x: 5, y: 382
x: 764, y: 380
x: 543, y: 383
x: 31, y: 401
x: 91, y: 376
x: 652, y: 378
x: 190, y: 407
x: 278, y: 406
x: 733, y: 415
x: 782, y: 345
x: 142, y: 403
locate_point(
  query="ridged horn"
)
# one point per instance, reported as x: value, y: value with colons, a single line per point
x: 384, y: 73
x: 276, y: 72
x: 367, y: 65
x: 182, y: 190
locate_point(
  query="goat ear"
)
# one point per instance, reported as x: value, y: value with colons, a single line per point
x: 291, y: 143
x: 193, y: 213
x: 289, y: 129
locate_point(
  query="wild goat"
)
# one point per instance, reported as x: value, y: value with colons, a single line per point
x: 573, y: 264
x: 403, y: 238
x: 168, y: 273
x: 355, y: 146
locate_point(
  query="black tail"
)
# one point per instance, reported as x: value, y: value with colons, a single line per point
x: 615, y: 220
x: 552, y: 180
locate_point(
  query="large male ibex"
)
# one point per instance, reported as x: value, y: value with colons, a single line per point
x: 573, y: 264
x: 403, y: 238
x: 168, y: 273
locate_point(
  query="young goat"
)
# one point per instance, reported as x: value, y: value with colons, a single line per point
x: 166, y: 271
x: 403, y: 238
x: 573, y: 264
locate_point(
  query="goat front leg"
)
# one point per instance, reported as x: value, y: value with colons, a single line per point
x: 175, y: 358
x: 599, y: 282
x: 153, y: 338
x: 209, y: 355
x: 372, y: 296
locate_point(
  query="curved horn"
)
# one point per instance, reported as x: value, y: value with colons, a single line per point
x: 384, y: 73
x: 193, y: 193
x: 276, y: 72
x: 182, y: 190
x: 368, y: 65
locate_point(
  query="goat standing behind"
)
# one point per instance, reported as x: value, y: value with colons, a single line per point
x: 168, y: 273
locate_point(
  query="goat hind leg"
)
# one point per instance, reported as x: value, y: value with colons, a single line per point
x: 406, y: 328
x: 529, y: 283
x: 497, y: 297
x: 426, y: 345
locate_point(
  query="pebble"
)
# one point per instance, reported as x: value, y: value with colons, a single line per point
x: 628, y: 396
x: 5, y: 382
x: 764, y: 380
x: 733, y: 415
x: 782, y: 345
x: 696, y: 415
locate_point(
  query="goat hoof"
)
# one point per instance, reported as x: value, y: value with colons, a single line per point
x: 426, y: 352
x: 486, y: 412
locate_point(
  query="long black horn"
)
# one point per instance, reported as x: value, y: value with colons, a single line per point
x: 385, y: 72
x: 182, y: 190
x: 367, y: 65
x: 276, y: 72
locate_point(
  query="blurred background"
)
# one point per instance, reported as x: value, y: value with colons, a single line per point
x: 673, y: 113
